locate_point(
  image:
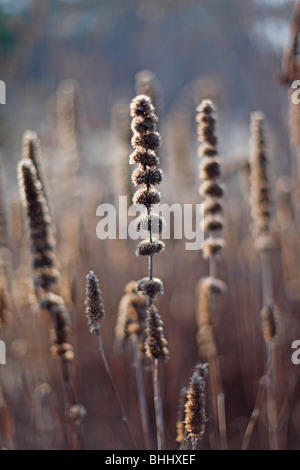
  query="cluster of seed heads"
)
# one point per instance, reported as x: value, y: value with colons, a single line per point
x: 209, y: 172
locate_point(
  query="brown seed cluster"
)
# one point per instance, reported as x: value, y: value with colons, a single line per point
x: 94, y: 307
x: 146, y: 142
x: 210, y: 172
x: 43, y: 257
x: 260, y: 198
x: 206, y: 290
x: 195, y: 408
x: 156, y: 343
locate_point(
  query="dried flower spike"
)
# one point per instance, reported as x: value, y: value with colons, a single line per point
x: 94, y: 304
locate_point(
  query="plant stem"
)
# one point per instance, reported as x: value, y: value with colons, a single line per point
x: 141, y: 391
x: 158, y: 406
x: 124, y: 419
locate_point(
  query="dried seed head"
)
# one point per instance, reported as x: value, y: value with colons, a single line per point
x: 212, y: 206
x: 94, y: 304
x: 206, y: 128
x: 259, y: 179
x: 141, y: 106
x: 150, y: 287
x: 152, y: 222
x: 146, y: 197
x: 147, y: 176
x: 270, y: 317
x: 31, y: 150
x: 211, y: 189
x: 213, y: 223
x: 156, y: 343
x: 40, y: 225
x: 147, y: 248
x: 209, y: 168
x: 195, y: 407
x: 144, y: 157
x: 212, y: 247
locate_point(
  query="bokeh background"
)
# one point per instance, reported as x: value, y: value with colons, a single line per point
x: 90, y: 53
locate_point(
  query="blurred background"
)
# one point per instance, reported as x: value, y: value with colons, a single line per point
x: 71, y: 68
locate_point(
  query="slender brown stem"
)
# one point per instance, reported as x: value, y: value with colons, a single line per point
x: 78, y: 433
x: 215, y: 377
x: 271, y: 379
x: 158, y: 406
x: 141, y: 391
x: 124, y: 419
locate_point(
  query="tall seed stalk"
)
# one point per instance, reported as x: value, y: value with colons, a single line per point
x: 146, y: 142
x: 212, y: 192
x: 46, y: 275
x: 260, y: 200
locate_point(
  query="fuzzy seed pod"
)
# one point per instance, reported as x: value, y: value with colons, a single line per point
x: 213, y: 223
x: 147, y: 248
x: 212, y: 247
x: 146, y: 197
x: 212, y: 206
x: 209, y: 169
x: 259, y: 179
x: 195, y: 408
x: 152, y: 222
x: 210, y: 188
x: 148, y: 176
x: 270, y: 317
x: 32, y: 151
x: 94, y: 304
x: 150, y: 287
x: 144, y: 157
x: 40, y: 225
x: 156, y: 344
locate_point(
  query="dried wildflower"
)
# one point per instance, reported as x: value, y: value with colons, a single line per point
x: 32, y: 151
x: 156, y: 344
x: 260, y: 199
x: 147, y: 247
x: 40, y: 225
x: 150, y: 287
x: 152, y: 222
x: 195, y: 408
x: 94, y: 304
x: 209, y: 169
